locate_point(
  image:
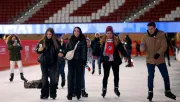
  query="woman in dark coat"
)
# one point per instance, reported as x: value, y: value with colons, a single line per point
x: 61, y: 61
x: 14, y: 47
x: 110, y: 48
x: 48, y: 48
x: 76, y: 65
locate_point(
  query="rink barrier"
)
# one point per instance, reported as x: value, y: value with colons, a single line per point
x: 29, y: 56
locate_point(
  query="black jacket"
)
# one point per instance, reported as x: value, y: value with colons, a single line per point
x: 95, y: 46
x: 14, y: 51
x: 81, y: 50
x: 128, y: 44
x: 49, y: 53
x: 118, y: 48
x: 62, y: 49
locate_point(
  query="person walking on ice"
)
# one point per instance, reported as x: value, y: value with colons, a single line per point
x: 154, y: 44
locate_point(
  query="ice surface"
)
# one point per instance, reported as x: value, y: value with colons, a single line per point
x: 132, y: 85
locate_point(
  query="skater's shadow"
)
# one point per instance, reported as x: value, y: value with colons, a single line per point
x: 14, y: 82
x: 111, y: 99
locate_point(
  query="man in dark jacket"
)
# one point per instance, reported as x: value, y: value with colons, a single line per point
x: 168, y: 49
x: 96, y: 50
x: 138, y: 49
x: 154, y: 44
x: 173, y: 41
x: 128, y: 46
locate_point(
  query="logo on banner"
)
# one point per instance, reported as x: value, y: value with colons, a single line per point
x: 26, y: 53
x: 2, y: 49
x: 33, y: 48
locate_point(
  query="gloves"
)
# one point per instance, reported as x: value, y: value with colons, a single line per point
x: 156, y: 56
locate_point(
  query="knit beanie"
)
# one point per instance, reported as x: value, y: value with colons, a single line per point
x: 109, y: 28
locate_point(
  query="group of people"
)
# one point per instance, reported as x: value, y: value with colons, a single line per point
x: 106, y: 50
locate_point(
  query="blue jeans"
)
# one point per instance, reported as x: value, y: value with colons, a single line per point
x: 99, y: 63
x: 164, y: 72
x: 61, y: 69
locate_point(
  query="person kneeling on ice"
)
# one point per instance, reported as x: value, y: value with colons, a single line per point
x: 110, y: 45
x: 154, y: 44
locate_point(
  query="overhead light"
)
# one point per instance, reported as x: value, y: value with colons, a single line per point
x: 135, y: 15
x: 29, y: 10
x: 144, y: 8
x: 25, y: 13
x: 41, y: 2
x: 139, y: 11
x: 129, y: 18
x: 154, y: 1
x: 33, y: 7
x: 37, y: 5
x: 18, y: 20
x: 149, y: 4
x: 22, y: 17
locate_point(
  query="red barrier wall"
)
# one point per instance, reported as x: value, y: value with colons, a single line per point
x: 29, y: 57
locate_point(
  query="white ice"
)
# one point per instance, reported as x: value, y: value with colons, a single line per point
x: 132, y: 85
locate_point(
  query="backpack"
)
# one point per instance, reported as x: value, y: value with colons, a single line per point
x: 33, y: 84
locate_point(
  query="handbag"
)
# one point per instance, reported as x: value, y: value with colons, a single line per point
x: 70, y: 54
x: 41, y: 59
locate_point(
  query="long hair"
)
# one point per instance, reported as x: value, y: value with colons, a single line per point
x: 9, y: 38
x: 115, y: 40
x: 53, y: 38
x: 81, y: 36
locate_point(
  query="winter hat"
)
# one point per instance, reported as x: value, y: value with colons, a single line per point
x: 109, y: 28
x: 97, y: 33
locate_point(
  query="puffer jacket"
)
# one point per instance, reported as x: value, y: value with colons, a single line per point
x: 81, y: 50
x: 155, y: 44
x: 49, y: 52
x: 14, y: 51
x: 117, y: 50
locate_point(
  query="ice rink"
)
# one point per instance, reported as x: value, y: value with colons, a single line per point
x: 132, y: 85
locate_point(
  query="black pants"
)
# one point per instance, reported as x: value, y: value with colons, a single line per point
x: 164, y: 72
x: 129, y: 51
x: 166, y: 54
x: 49, y: 71
x: 138, y: 51
x: 75, y: 70
x: 115, y: 68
